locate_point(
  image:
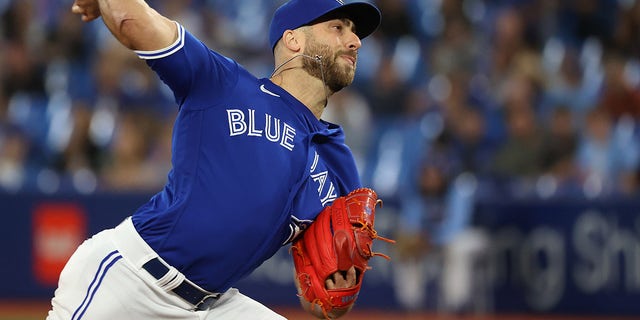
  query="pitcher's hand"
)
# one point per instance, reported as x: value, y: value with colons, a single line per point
x: 341, y: 280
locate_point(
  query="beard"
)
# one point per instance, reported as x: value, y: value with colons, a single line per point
x: 336, y: 76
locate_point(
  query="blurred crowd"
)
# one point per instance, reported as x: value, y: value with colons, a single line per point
x: 454, y: 100
x: 530, y: 97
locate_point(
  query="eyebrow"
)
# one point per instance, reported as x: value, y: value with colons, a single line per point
x: 349, y: 23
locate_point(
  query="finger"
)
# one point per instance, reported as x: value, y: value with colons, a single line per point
x: 340, y: 280
x: 351, y: 277
x: 330, y: 283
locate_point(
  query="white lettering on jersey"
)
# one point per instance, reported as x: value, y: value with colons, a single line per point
x: 330, y: 196
x: 237, y: 126
x: 273, y: 130
x: 321, y: 178
x: 252, y: 125
x: 288, y: 133
x: 272, y: 136
x: 316, y: 157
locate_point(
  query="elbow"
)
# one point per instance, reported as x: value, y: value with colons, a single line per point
x: 125, y: 27
x: 138, y: 27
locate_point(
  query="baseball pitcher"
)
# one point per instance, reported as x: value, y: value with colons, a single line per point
x: 253, y: 166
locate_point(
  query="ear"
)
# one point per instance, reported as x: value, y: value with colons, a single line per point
x: 293, y: 40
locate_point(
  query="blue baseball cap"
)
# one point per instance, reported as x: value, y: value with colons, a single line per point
x: 297, y: 13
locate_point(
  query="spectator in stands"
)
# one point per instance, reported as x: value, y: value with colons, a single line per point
x: 625, y: 34
x: 14, y: 149
x: 568, y: 85
x: 601, y: 158
x: 456, y: 50
x: 79, y: 152
x: 519, y: 157
x: 559, y: 154
x: 388, y: 92
x: 128, y: 169
x: 503, y: 50
x: 621, y: 91
x: 469, y: 142
x: 435, y: 223
x: 23, y: 71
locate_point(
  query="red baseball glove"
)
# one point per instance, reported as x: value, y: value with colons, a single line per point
x: 340, y: 238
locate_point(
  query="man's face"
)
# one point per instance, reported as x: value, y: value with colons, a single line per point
x: 337, y: 45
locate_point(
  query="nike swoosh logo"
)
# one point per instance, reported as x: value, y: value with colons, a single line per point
x: 263, y: 89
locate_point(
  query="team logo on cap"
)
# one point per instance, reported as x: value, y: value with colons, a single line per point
x: 340, y: 2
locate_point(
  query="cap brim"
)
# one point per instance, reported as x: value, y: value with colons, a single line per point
x: 365, y: 17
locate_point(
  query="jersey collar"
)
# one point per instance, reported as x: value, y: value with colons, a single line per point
x: 319, y: 127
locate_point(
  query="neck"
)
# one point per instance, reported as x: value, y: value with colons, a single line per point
x: 309, y: 90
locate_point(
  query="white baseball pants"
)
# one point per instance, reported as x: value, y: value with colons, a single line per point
x: 104, y: 279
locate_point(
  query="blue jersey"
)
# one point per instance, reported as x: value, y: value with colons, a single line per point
x: 252, y: 167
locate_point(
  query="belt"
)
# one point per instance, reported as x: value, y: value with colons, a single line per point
x: 200, y: 299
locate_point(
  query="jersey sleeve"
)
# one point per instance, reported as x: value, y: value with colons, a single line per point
x: 194, y: 73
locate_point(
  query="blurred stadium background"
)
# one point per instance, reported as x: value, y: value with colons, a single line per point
x: 503, y: 136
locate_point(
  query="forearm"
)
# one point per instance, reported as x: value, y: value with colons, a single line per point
x: 132, y: 22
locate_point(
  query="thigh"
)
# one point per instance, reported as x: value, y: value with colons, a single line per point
x: 99, y: 284
x: 81, y: 277
x: 235, y: 305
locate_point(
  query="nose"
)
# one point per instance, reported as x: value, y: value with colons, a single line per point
x: 353, y: 41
